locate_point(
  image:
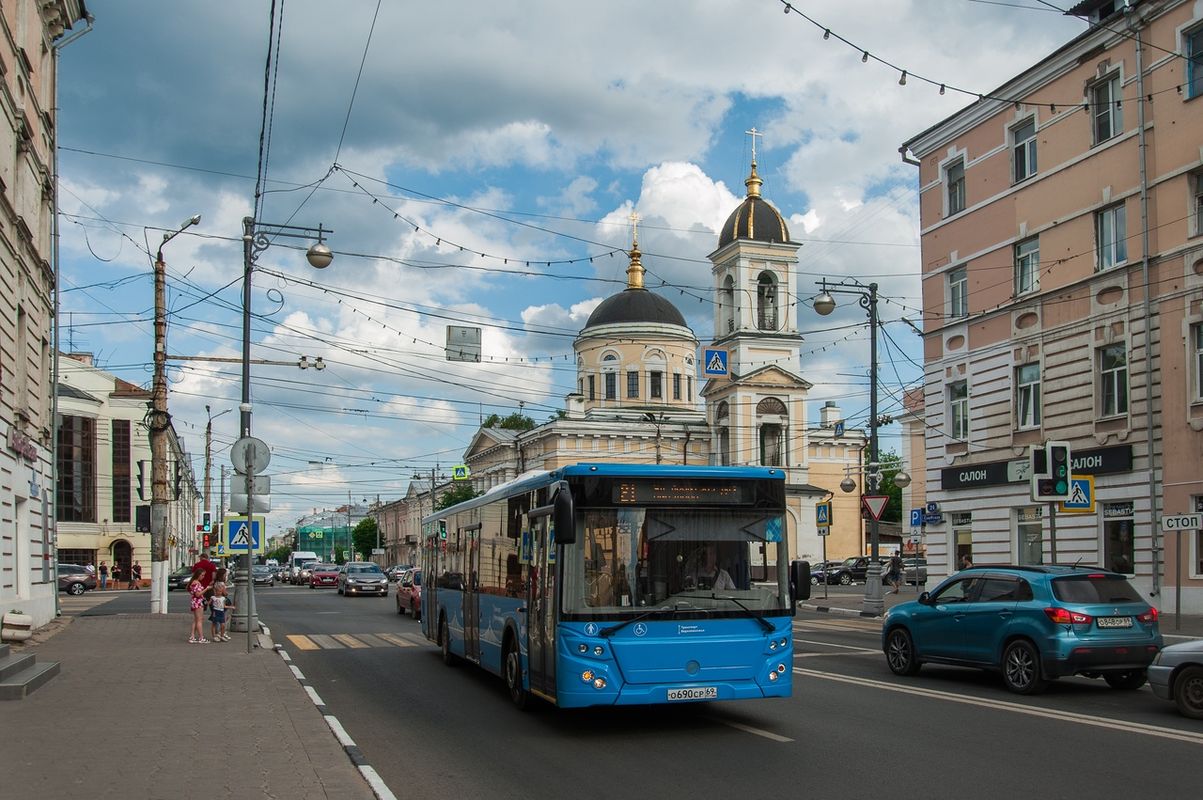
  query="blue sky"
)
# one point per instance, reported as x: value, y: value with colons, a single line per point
x: 526, y: 132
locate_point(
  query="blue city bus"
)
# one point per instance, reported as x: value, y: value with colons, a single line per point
x: 619, y: 584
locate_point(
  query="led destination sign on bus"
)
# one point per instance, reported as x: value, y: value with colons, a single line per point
x: 680, y: 492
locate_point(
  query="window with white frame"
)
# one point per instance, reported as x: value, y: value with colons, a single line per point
x: 954, y: 178
x: 655, y: 384
x: 1027, y: 396
x: 632, y: 384
x: 958, y: 409
x: 958, y: 293
x: 1113, y: 380
x: 1027, y: 266
x: 1111, y: 235
x: 1023, y: 149
x: 1196, y: 338
x: 676, y: 386
x: 1106, y: 111
x: 1194, y: 62
x: 610, y: 373
x: 1196, y: 205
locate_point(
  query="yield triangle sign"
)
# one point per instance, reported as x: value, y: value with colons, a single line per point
x: 875, y: 504
x: 241, y: 537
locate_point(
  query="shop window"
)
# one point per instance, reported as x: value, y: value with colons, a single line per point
x: 1029, y: 526
x: 1119, y: 546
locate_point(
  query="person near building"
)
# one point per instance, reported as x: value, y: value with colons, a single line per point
x: 894, y: 571
x: 966, y: 561
x: 196, y: 604
x: 104, y: 574
x: 135, y: 575
x: 209, y: 567
x: 90, y: 567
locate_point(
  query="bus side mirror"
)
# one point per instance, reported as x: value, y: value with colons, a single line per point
x: 563, y: 516
x: 799, y: 581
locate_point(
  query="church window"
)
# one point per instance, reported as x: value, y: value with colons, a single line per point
x: 632, y: 384
x: 611, y: 386
x: 592, y: 383
x: 770, y: 418
x: 676, y: 386
x: 727, y: 306
x: 724, y: 446
x: 766, y: 302
x: 655, y: 387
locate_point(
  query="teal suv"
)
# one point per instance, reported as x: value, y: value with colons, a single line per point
x: 1031, y: 624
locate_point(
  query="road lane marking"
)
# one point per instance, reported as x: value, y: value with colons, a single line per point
x: 739, y: 726
x: 326, y: 642
x: 313, y: 695
x: 1015, y: 708
x: 829, y: 655
x: 833, y: 644
x: 350, y: 641
x: 296, y: 672
x: 340, y: 732
x: 303, y: 642
x: 371, y: 640
x: 378, y: 786
x: 397, y: 640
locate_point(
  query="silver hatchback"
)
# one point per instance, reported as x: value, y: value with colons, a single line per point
x: 1177, y: 674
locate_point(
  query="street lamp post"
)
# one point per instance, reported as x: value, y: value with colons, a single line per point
x: 159, y: 422
x: 257, y: 237
x: 824, y: 304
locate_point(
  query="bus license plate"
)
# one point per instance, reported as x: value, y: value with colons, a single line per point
x: 694, y: 693
x: 1115, y: 622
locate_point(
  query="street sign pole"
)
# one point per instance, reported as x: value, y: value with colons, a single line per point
x: 1052, y: 532
x: 252, y: 619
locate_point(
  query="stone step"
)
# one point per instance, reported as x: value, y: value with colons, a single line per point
x: 18, y: 686
x: 12, y: 664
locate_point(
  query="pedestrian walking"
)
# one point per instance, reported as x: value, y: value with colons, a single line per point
x: 135, y: 575
x: 196, y: 605
x: 116, y: 574
x: 104, y: 574
x: 894, y: 573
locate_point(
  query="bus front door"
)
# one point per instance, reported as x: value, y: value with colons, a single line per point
x: 472, y: 597
x: 541, y: 617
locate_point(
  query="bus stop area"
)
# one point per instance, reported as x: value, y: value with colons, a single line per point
x: 138, y: 711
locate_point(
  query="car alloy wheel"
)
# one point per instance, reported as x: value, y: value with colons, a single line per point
x: 900, y: 652
x: 76, y: 589
x: 1126, y: 679
x: 814, y: 581
x: 1021, y: 668
x: 1188, y: 692
x: 845, y: 579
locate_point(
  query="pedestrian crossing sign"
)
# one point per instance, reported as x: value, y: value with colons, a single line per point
x: 1081, y: 496
x: 714, y: 363
x: 243, y: 537
x: 823, y: 514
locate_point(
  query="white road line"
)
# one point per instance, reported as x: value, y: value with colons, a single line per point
x: 284, y: 654
x: 831, y: 655
x: 378, y: 786
x: 317, y: 701
x: 841, y: 646
x: 296, y: 672
x: 339, y: 733
x: 1015, y: 708
x: 754, y: 731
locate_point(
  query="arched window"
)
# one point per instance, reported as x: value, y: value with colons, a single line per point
x: 727, y: 306
x: 766, y: 302
x: 770, y: 423
x: 722, y: 413
x: 610, y: 376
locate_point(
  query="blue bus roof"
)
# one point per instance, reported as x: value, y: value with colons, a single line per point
x: 529, y: 481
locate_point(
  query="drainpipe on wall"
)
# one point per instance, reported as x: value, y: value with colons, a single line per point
x: 1134, y: 23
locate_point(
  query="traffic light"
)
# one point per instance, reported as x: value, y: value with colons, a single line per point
x: 206, y: 522
x: 1051, y: 482
x: 141, y: 480
x: 442, y: 529
x: 205, y: 541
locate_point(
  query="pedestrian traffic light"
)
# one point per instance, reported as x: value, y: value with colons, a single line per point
x: 1053, y: 483
x: 442, y: 529
x: 205, y: 540
x: 206, y: 522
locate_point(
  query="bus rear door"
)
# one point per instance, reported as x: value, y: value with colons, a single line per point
x: 541, y: 610
x: 472, y: 596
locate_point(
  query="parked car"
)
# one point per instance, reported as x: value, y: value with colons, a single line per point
x: 409, y: 593
x: 1032, y: 624
x: 394, y: 572
x: 323, y: 575
x: 852, y: 570
x: 1177, y: 674
x: 74, y: 579
x: 362, y: 577
x: 263, y: 575
x: 818, y: 572
x: 179, y: 579
x: 914, y: 570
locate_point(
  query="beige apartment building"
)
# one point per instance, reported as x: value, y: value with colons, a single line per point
x: 1062, y: 267
x: 642, y: 397
x: 30, y: 34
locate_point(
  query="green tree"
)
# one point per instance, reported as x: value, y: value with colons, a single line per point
x: 514, y: 422
x: 891, y: 465
x: 364, y: 537
x: 340, y: 555
x: 280, y: 553
x: 457, y: 494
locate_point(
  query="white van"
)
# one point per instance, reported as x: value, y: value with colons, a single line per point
x: 296, y: 562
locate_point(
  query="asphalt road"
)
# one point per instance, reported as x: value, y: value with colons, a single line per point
x: 851, y: 729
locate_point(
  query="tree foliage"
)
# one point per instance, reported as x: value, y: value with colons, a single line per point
x: 514, y: 422
x: 340, y: 555
x: 458, y: 493
x: 891, y: 465
x: 364, y: 537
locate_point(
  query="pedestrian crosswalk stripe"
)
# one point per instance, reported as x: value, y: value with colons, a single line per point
x: 371, y: 641
x: 303, y: 642
x: 326, y: 642
x: 349, y: 640
x: 397, y: 640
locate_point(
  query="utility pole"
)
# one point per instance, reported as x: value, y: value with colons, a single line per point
x: 159, y: 421
x: 208, y: 459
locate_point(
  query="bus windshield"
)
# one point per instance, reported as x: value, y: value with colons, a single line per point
x: 635, y: 559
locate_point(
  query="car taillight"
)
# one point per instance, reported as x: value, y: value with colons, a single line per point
x: 1149, y: 617
x: 1063, y: 616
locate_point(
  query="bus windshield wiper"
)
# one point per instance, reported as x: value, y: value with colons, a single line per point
x: 768, y: 626
x: 606, y: 633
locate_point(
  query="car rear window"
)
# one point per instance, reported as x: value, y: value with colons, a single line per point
x: 1095, y: 589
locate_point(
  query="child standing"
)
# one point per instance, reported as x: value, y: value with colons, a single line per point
x: 218, y: 605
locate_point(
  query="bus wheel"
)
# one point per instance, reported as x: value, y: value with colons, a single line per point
x: 512, y: 662
x: 445, y: 643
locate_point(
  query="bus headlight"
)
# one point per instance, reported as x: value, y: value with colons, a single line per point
x: 784, y: 642
x: 772, y: 676
x: 582, y: 648
x: 773, y: 645
x: 599, y: 683
x: 599, y: 650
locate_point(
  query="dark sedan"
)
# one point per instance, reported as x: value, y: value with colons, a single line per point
x: 179, y: 579
x: 361, y: 577
x: 74, y: 579
x: 263, y: 576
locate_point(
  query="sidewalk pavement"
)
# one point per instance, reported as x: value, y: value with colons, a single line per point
x: 137, y: 711
x: 850, y: 599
